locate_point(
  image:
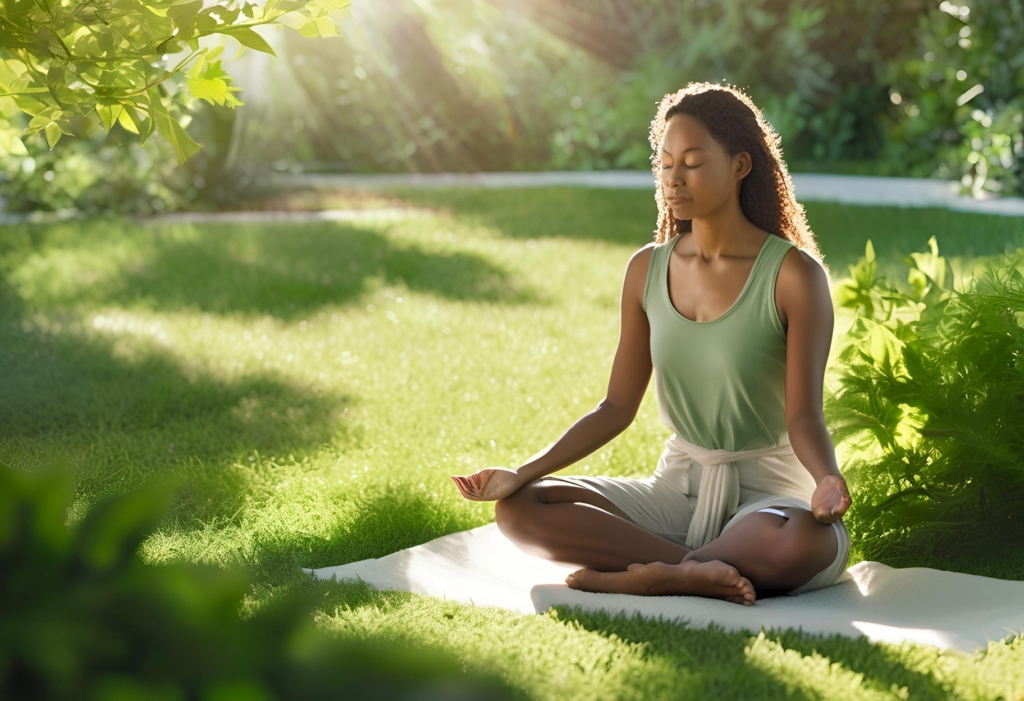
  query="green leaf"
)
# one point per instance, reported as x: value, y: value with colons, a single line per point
x: 319, y: 27
x: 247, y: 37
x: 169, y: 128
x: 10, y: 143
x: 283, y: 5
x: 131, y: 120
x: 108, y: 115
x: 29, y: 105
x: 208, y: 81
x: 184, y: 16
x: 213, y: 91
x: 125, y: 119
x: 53, y: 134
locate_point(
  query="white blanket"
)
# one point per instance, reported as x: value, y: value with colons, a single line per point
x: 948, y: 610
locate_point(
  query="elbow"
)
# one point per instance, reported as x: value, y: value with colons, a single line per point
x: 619, y: 416
x: 803, y: 421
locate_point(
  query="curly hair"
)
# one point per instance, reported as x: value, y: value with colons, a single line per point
x: 766, y: 193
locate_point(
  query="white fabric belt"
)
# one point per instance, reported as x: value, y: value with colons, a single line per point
x: 719, y: 495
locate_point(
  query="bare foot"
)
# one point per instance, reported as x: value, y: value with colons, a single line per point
x: 713, y: 579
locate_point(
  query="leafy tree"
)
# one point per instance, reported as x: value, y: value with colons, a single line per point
x: 126, y: 61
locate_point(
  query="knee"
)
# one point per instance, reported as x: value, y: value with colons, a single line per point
x: 515, y: 514
x: 809, y: 545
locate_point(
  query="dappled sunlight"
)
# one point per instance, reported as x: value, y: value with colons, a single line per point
x: 295, y: 513
x: 271, y: 269
x: 312, y: 424
x: 814, y: 674
x: 124, y: 408
x: 613, y: 217
x: 893, y: 634
x: 794, y: 664
x: 545, y: 656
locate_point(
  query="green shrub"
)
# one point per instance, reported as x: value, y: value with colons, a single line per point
x: 932, y: 395
x: 82, y: 617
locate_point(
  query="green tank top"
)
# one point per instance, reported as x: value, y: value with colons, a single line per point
x: 722, y: 383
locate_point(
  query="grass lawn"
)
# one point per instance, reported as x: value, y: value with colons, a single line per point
x: 311, y: 387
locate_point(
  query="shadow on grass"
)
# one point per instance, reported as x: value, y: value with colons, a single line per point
x: 122, y: 411
x: 771, y: 672
x: 281, y: 269
x: 382, y: 520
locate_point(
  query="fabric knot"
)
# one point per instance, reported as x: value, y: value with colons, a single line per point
x: 719, y: 494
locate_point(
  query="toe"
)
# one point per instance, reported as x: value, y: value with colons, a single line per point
x: 582, y: 579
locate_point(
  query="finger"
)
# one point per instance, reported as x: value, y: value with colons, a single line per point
x: 462, y: 488
x: 466, y: 486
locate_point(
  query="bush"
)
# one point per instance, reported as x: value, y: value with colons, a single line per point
x: 82, y: 617
x: 932, y: 394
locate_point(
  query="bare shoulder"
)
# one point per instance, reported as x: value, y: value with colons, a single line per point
x: 636, y: 270
x: 642, y: 258
x: 802, y: 281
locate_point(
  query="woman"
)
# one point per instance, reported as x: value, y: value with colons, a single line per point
x: 730, y: 309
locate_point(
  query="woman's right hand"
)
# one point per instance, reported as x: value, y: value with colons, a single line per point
x: 489, y: 484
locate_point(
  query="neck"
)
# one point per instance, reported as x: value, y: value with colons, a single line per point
x: 724, y: 231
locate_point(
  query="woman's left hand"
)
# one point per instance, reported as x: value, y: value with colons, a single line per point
x: 831, y: 499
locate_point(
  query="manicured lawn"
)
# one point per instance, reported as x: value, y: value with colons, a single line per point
x: 310, y: 387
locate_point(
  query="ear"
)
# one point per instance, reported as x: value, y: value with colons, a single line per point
x: 742, y: 165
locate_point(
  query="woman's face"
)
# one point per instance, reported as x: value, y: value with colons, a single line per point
x: 697, y: 174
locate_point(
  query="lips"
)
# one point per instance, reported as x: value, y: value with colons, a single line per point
x: 678, y: 199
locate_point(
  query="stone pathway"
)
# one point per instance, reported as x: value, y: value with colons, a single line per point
x: 850, y: 189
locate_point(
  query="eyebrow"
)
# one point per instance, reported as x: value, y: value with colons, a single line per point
x: 692, y: 148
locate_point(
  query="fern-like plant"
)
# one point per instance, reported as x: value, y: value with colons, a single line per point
x: 932, y: 396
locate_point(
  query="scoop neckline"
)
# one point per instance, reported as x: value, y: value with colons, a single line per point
x: 743, y: 292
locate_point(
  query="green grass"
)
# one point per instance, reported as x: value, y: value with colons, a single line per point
x: 310, y: 387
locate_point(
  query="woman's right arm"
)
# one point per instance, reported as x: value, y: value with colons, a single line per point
x: 630, y: 375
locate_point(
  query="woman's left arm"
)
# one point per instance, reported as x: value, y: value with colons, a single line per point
x: 807, y: 302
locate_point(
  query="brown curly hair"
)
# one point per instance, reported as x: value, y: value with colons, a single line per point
x: 766, y: 193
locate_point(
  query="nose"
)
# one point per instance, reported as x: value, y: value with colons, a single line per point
x: 672, y: 176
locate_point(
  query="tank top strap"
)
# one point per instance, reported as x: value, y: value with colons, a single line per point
x: 762, y: 285
x: 657, y: 272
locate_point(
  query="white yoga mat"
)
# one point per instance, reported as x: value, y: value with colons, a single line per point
x: 948, y: 610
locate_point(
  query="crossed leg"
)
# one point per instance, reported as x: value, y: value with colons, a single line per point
x: 575, y: 525
x: 763, y: 552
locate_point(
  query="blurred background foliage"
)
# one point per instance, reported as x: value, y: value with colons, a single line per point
x: 83, y: 617
x: 899, y: 88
